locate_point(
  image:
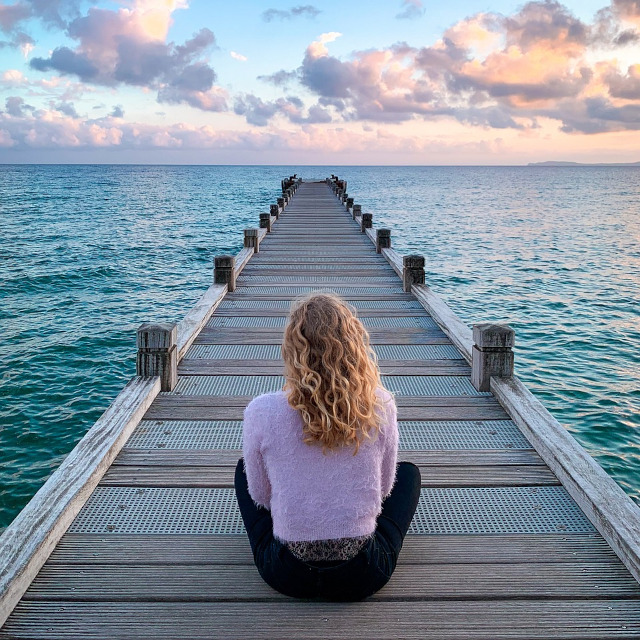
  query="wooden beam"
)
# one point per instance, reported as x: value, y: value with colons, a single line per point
x: 189, y: 327
x: 31, y: 537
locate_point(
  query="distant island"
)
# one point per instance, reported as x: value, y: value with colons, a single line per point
x: 555, y: 163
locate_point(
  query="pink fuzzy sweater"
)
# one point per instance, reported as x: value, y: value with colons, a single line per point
x: 311, y: 495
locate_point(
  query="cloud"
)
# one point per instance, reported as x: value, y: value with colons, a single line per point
x: 19, y: 40
x: 67, y: 61
x: 128, y: 46
x: 307, y: 11
x: 238, y: 56
x: 56, y: 13
x: 259, y: 112
x: 68, y: 108
x: 12, y: 14
x: 412, y: 9
x: 15, y: 106
x: 13, y: 78
x: 280, y: 78
x: 117, y: 112
x: 624, y: 86
x: 488, y: 70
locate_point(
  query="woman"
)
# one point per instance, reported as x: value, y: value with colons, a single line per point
x: 324, y: 505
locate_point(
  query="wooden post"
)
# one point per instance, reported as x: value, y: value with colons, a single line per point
x: 492, y: 354
x: 349, y: 203
x: 412, y: 271
x: 224, y: 271
x: 281, y: 203
x: 345, y: 196
x: 356, y: 211
x: 366, y: 221
x: 383, y: 239
x: 265, y: 221
x: 274, y: 210
x: 251, y: 239
x: 158, y: 353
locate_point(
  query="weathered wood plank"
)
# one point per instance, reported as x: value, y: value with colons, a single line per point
x: 232, y: 408
x: 290, y: 619
x: 229, y: 457
x: 254, y: 312
x: 252, y: 335
x: 202, y: 366
x: 220, y: 476
x: 242, y: 259
x: 395, y: 260
x: 431, y: 550
x: 459, y: 332
x: 234, y: 583
x: 198, y: 316
x: 27, y: 542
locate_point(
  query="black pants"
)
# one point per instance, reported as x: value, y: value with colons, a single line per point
x: 353, y: 579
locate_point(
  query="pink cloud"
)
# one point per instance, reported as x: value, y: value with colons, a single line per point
x: 128, y: 46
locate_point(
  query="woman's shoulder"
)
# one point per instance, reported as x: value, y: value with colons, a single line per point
x: 267, y: 402
x: 386, y: 397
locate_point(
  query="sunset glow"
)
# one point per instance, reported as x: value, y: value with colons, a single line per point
x: 399, y: 82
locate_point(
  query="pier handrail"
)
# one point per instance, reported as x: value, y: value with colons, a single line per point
x: 31, y: 537
x: 603, y: 501
x: 198, y: 316
x: 28, y: 541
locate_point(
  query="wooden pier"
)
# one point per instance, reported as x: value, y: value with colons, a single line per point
x: 518, y: 533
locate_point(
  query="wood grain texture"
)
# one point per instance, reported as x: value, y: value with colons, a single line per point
x: 253, y: 335
x: 27, y: 542
x: 76, y: 548
x: 395, y: 260
x: 201, y: 366
x: 243, y: 258
x: 291, y: 620
x: 229, y: 457
x: 198, y: 316
x: 460, y: 333
x: 232, y: 408
x: 237, y: 583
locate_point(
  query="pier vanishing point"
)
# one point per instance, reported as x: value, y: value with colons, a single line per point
x: 518, y: 534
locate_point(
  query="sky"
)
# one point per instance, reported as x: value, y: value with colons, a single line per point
x: 398, y: 82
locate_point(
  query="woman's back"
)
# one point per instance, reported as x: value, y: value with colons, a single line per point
x: 316, y: 494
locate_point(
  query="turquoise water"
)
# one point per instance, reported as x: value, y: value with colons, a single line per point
x: 87, y: 253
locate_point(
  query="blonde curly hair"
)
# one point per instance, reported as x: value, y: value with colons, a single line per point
x: 331, y: 373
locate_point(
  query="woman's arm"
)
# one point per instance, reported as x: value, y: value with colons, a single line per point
x: 390, y: 449
x: 257, y: 478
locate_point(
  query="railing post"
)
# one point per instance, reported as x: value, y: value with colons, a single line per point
x: 383, y: 239
x: 366, y: 221
x: 274, y: 210
x: 492, y: 354
x: 224, y: 271
x: 349, y: 203
x: 281, y: 203
x: 344, y: 197
x: 265, y: 221
x: 356, y: 211
x: 251, y: 239
x: 158, y: 353
x: 412, y: 271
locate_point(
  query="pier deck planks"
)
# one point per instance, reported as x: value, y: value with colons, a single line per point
x: 108, y: 584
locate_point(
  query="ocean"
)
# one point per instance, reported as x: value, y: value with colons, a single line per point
x: 88, y: 252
